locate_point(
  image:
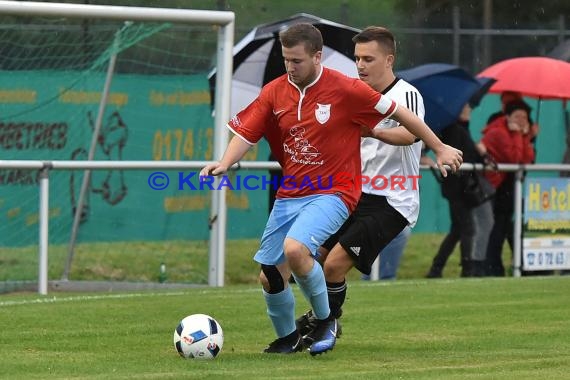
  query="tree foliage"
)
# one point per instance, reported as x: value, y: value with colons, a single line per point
x: 415, y: 23
x: 505, y: 14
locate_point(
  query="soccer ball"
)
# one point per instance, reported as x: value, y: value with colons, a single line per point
x: 198, y: 336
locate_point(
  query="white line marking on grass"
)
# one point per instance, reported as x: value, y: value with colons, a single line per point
x: 56, y: 299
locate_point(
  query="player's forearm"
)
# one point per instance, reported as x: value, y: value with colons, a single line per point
x: 418, y: 128
x: 236, y: 149
x: 394, y: 136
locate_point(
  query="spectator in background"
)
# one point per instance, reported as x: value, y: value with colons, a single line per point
x: 471, y: 219
x: 506, y: 97
x: 507, y: 139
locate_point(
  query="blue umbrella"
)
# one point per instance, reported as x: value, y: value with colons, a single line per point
x: 445, y: 89
x: 485, y: 84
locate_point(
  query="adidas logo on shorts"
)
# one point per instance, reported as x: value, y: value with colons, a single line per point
x: 355, y: 250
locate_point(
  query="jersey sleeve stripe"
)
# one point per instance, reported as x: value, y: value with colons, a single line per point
x: 412, y: 101
x: 240, y: 136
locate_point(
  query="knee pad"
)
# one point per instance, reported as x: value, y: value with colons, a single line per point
x: 276, y: 284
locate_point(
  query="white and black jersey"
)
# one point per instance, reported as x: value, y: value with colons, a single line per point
x: 389, y: 162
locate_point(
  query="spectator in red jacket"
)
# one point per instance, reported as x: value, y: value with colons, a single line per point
x: 506, y: 98
x: 507, y: 139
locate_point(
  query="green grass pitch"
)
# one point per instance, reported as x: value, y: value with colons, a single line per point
x: 508, y: 328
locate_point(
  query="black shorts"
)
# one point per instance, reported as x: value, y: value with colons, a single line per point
x: 372, y: 225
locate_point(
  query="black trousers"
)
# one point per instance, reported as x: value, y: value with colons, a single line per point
x: 502, y: 230
x: 503, y: 227
x: 471, y: 227
x: 457, y: 214
x: 462, y: 231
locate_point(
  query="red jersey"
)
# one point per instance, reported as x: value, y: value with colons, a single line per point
x: 315, y: 133
x: 506, y: 147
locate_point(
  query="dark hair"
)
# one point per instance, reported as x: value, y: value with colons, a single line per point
x: 302, y: 33
x: 517, y: 105
x: 511, y: 94
x: 383, y: 36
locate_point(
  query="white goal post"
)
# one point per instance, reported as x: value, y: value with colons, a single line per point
x: 224, y: 59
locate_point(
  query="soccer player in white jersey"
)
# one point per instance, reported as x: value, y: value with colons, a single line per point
x: 390, y: 172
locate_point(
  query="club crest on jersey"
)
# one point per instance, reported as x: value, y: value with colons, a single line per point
x: 323, y: 112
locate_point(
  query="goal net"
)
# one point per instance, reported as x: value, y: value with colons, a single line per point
x: 53, y: 72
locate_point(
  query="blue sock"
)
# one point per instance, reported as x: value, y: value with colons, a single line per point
x: 281, y: 311
x: 314, y: 289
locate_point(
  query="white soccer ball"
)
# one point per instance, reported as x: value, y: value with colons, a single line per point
x: 198, y: 336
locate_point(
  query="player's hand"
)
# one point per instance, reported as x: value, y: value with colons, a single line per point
x: 215, y: 168
x: 365, y: 131
x: 448, y: 155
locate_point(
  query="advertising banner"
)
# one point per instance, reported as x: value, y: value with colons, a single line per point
x: 51, y: 116
x: 546, y: 241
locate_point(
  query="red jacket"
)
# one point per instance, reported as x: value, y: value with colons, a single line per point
x: 506, y: 147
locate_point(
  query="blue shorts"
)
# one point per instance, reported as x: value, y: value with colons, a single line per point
x: 309, y: 220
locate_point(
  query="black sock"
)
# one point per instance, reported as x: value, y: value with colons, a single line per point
x: 337, y: 294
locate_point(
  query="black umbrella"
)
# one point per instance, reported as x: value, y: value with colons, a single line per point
x: 485, y: 84
x: 258, y: 59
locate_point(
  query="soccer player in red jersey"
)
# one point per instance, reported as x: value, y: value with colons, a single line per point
x: 312, y: 118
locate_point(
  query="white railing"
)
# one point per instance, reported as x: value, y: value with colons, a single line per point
x: 217, y: 257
